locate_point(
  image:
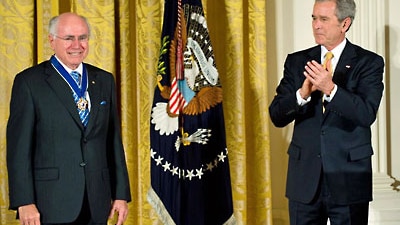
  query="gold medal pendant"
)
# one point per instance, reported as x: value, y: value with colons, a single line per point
x: 82, y: 104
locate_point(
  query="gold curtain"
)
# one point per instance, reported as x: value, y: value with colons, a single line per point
x: 125, y: 41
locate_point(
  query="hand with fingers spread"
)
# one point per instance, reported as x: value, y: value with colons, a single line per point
x: 307, y: 88
x: 320, y: 78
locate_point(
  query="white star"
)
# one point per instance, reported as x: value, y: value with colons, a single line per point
x: 174, y: 170
x: 159, y: 160
x: 199, y: 173
x: 152, y: 153
x: 190, y: 174
x: 166, y: 166
x: 221, y: 157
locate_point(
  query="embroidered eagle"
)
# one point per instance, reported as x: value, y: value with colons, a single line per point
x: 200, y: 73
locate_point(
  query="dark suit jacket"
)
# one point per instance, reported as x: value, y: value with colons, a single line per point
x: 51, y: 158
x: 337, y: 142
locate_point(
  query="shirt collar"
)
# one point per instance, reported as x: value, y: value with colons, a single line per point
x: 337, y: 51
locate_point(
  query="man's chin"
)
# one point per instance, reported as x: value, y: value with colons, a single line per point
x: 74, y: 64
x: 319, y: 41
x: 75, y: 60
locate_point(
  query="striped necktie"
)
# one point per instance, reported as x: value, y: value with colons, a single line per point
x: 328, y: 61
x: 328, y: 66
x: 83, y: 113
x: 77, y: 77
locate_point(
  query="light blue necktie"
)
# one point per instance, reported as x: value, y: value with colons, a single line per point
x: 83, y: 113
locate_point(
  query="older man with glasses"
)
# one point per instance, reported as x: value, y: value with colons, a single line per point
x: 65, y: 157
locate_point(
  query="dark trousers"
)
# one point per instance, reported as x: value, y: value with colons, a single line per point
x: 318, y: 211
x: 84, y: 217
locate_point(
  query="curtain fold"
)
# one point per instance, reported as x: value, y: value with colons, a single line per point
x: 16, y: 52
x: 125, y: 40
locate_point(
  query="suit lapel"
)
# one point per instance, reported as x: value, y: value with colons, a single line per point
x: 345, y: 63
x: 315, y: 54
x: 95, y: 97
x: 63, y: 92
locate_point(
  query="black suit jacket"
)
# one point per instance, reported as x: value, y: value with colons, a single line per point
x: 337, y: 142
x: 51, y: 158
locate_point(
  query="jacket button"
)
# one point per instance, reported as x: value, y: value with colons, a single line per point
x: 82, y: 164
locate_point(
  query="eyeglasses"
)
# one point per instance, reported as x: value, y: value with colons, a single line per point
x: 69, y: 38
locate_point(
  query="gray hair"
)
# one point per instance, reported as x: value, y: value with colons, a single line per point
x: 53, y: 24
x: 344, y: 9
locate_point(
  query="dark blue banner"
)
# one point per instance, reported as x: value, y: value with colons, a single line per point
x: 190, y: 180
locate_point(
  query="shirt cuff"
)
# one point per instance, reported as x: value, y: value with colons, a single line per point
x: 329, y: 98
x: 301, y: 101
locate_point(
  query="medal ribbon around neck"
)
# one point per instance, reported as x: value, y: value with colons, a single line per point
x: 80, y: 91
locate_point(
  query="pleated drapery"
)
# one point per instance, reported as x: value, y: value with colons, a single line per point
x: 125, y: 40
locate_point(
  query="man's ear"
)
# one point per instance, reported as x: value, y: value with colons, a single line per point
x: 346, y: 23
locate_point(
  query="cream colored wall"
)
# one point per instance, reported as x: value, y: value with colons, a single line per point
x: 392, y: 83
x: 289, y: 30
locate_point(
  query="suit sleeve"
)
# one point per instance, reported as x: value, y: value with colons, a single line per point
x: 20, y: 141
x: 284, y: 107
x: 119, y: 177
x: 359, y: 99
